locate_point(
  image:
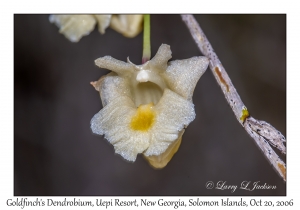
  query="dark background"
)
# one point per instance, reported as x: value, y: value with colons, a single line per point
x: 55, y: 152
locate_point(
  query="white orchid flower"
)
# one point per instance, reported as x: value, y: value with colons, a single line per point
x: 147, y: 107
x: 128, y: 25
x: 74, y: 27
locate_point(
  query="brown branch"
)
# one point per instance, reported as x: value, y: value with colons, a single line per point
x: 263, y: 133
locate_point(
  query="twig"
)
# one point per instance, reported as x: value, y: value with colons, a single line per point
x: 263, y: 133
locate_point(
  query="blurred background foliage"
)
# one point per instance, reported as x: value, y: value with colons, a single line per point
x: 55, y: 152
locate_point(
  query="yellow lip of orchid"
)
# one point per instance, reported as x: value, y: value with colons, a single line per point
x: 147, y: 107
x: 74, y: 27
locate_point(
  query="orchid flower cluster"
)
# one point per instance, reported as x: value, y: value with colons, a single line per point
x: 74, y: 27
x: 147, y: 107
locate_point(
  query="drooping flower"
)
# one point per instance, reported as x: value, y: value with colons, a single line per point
x: 128, y: 25
x: 147, y: 107
x: 74, y: 27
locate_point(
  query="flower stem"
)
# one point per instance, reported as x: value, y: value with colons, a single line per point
x: 147, y: 44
